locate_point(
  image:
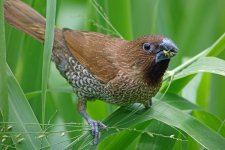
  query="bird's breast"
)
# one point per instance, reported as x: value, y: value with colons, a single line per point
x: 127, y: 90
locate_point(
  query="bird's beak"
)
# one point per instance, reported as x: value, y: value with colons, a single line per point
x: 167, y: 49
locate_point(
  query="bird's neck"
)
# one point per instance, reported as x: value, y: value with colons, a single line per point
x: 154, y: 73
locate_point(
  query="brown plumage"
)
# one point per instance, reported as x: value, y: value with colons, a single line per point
x: 111, y: 69
x: 95, y: 51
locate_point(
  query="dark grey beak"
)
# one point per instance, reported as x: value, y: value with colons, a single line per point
x: 167, y: 49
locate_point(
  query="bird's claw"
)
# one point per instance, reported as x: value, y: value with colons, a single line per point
x: 94, y: 129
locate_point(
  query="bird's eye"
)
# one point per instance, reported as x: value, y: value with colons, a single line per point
x: 147, y: 46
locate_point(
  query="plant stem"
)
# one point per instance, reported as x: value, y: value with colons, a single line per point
x: 3, y: 75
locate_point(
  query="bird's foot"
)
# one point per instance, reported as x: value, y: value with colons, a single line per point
x: 94, y: 129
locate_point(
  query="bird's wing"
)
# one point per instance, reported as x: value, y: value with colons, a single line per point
x: 95, y: 51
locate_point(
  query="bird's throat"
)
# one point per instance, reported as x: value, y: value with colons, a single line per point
x: 154, y: 73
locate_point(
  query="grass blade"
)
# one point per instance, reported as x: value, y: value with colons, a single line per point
x: 217, y: 47
x: 3, y: 77
x: 206, y: 64
x: 201, y: 133
x: 164, y: 113
x: 49, y: 38
x: 20, y: 113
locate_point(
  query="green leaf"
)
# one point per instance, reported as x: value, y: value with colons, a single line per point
x: 130, y: 116
x: 207, y: 64
x: 210, y: 120
x: 48, y: 45
x: 217, y: 47
x: 177, y: 101
x: 164, y: 137
x: 25, y: 127
x: 123, y: 138
x: 204, y: 87
x: 149, y: 134
x: 3, y: 76
x: 167, y: 114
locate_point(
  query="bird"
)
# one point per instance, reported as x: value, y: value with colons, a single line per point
x: 98, y: 66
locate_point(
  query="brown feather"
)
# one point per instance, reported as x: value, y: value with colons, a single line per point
x: 25, y: 18
x: 95, y: 51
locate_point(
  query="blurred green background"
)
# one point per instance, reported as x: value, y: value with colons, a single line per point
x: 193, y: 25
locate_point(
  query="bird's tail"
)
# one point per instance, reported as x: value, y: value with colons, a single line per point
x: 25, y: 18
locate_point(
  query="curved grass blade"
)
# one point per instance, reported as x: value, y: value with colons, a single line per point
x: 156, y: 133
x: 207, y: 64
x: 168, y: 114
x: 151, y: 141
x: 21, y: 113
x: 177, y: 102
x: 164, y: 113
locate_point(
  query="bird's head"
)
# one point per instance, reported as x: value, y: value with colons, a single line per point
x: 150, y: 56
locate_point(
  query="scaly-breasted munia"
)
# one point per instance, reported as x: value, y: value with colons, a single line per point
x: 98, y: 66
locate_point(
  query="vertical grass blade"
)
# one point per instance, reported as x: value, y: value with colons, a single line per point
x: 3, y: 77
x: 49, y: 37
